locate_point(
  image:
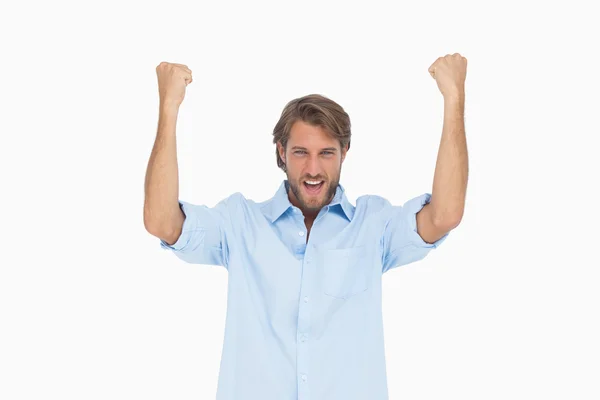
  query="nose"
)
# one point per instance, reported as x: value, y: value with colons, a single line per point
x: 313, y: 166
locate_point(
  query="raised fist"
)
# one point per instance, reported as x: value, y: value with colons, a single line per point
x: 450, y: 73
x: 172, y: 81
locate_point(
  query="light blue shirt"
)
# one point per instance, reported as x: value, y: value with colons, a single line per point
x: 304, y: 320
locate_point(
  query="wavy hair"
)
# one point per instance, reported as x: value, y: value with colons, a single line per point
x: 316, y: 110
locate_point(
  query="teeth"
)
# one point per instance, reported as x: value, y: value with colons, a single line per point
x: 313, y: 182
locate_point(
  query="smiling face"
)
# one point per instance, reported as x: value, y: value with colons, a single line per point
x: 313, y: 160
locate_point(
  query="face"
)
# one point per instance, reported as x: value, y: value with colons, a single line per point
x: 314, y: 163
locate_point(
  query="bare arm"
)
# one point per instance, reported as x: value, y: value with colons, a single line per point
x: 162, y: 216
x: 446, y: 208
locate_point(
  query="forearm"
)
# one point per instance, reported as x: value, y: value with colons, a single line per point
x: 161, y: 205
x: 451, y: 170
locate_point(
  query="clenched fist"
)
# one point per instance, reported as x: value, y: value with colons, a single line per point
x: 172, y: 81
x: 450, y: 72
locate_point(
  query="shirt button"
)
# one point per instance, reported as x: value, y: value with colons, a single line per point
x: 306, y: 299
x: 304, y: 338
x: 301, y: 233
x: 304, y: 378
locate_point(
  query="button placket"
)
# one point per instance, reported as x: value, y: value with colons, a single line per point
x: 303, y: 327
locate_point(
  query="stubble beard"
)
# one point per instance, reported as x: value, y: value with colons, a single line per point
x: 311, y: 205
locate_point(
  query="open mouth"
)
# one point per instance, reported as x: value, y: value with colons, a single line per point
x: 313, y: 187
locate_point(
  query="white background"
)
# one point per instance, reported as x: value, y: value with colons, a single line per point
x: 92, y: 308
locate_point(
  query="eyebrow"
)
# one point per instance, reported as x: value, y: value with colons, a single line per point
x: 304, y: 148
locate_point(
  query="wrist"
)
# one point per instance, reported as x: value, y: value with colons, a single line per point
x: 169, y: 107
x: 455, y: 96
x: 454, y: 105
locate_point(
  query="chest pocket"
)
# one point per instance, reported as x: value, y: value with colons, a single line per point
x: 345, y: 272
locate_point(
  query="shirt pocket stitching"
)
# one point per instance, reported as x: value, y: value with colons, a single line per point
x: 344, y: 272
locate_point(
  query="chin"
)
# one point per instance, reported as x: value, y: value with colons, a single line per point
x: 316, y: 201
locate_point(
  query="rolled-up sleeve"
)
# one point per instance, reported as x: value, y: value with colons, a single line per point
x: 401, y: 242
x: 206, y: 233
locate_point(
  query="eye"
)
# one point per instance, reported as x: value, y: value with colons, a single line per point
x: 299, y: 152
x: 328, y: 153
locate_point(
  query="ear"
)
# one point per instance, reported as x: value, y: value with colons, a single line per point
x: 281, y: 151
x: 344, y: 151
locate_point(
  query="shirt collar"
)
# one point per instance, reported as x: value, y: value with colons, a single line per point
x: 280, y: 202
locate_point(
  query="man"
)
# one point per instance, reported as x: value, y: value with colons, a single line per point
x: 304, y: 317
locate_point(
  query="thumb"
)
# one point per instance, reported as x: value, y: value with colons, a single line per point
x: 432, y: 71
x: 432, y: 67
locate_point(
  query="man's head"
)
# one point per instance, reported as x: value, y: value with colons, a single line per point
x: 312, y: 138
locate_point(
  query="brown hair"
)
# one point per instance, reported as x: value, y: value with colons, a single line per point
x: 313, y: 109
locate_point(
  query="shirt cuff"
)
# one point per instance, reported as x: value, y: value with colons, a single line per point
x: 412, y: 207
x: 189, y: 225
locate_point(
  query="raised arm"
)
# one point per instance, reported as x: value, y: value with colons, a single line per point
x: 163, y: 216
x: 446, y: 208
